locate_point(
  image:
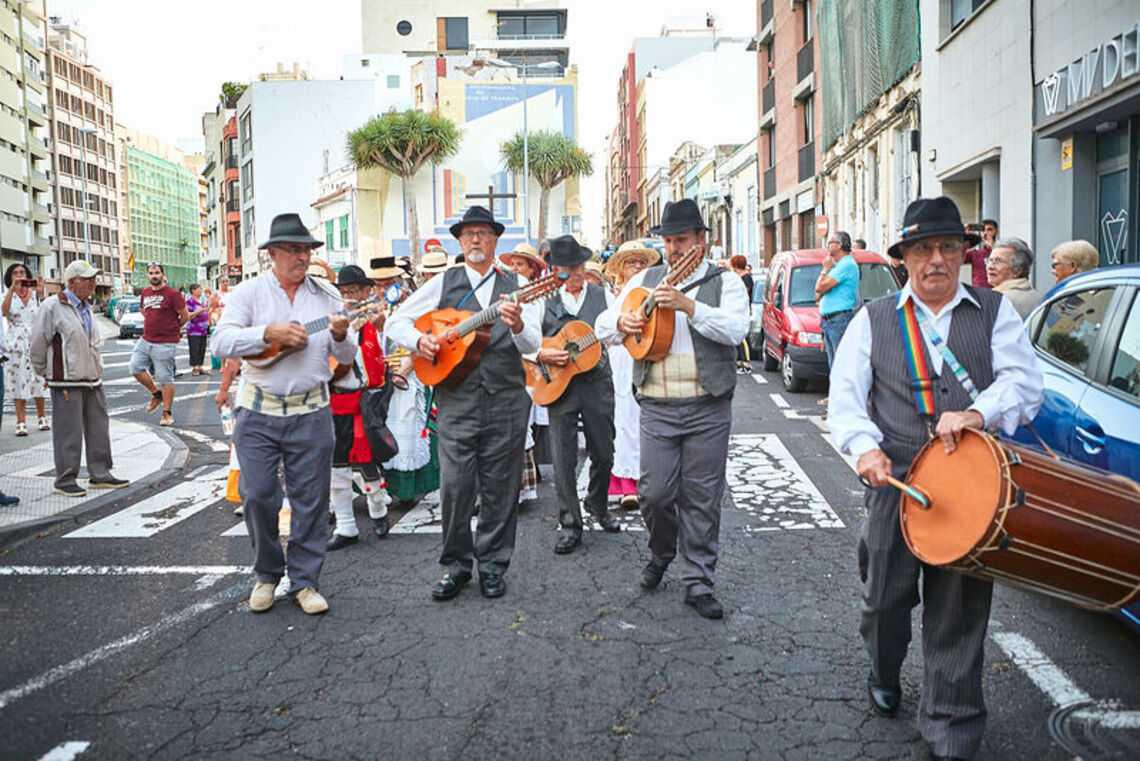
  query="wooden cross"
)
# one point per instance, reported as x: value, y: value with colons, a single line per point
x: 491, y: 197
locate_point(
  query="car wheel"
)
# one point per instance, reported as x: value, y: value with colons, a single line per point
x: 792, y: 382
x: 771, y: 364
x: 123, y: 335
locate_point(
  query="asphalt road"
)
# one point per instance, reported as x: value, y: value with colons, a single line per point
x: 142, y: 646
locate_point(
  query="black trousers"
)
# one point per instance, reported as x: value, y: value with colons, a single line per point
x: 589, y: 398
x: 197, y: 350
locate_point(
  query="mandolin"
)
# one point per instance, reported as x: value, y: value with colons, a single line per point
x: 652, y: 344
x: 275, y: 352
x: 548, y: 382
x: 464, y: 335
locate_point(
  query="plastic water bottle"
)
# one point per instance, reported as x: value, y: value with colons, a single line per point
x: 227, y: 414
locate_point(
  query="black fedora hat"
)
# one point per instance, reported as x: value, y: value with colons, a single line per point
x: 476, y: 215
x: 927, y: 217
x: 679, y: 216
x: 288, y: 228
x: 385, y: 268
x: 565, y: 251
x: 352, y: 275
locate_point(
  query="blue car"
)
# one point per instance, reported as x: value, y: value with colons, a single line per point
x: 1087, y: 336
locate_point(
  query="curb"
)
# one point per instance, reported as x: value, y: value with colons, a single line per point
x: 15, y: 534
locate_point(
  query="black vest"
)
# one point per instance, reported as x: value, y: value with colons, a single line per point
x: 891, y: 404
x: 500, y: 367
x: 555, y: 317
x: 716, y: 362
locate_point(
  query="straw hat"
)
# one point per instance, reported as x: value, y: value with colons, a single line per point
x: 434, y: 260
x: 627, y: 250
x: 523, y: 251
x: 320, y: 268
x: 594, y: 267
x: 385, y: 268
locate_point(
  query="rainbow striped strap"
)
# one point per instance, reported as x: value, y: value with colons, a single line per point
x: 917, y: 365
x: 947, y: 355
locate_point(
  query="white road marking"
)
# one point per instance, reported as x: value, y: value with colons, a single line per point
x: 238, y: 530
x: 66, y: 751
x: 849, y: 459
x: 768, y: 484
x: 630, y: 520
x: 1048, y: 677
x: 779, y: 401
x: 205, y: 582
x: 1107, y: 717
x: 121, y: 570
x: 759, y: 378
x: 60, y: 673
x: 157, y: 512
x: 177, y: 398
x: 201, y: 438
x: 185, y: 358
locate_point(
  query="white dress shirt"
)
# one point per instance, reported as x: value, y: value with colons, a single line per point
x: 1012, y: 399
x: 258, y: 302
x: 726, y: 324
x: 401, y: 326
x: 573, y: 304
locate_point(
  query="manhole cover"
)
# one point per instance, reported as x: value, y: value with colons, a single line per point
x: 1094, y: 731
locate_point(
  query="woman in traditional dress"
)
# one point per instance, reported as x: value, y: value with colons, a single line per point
x: 20, y: 381
x: 632, y: 257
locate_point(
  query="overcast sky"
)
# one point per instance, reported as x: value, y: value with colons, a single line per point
x: 167, y: 59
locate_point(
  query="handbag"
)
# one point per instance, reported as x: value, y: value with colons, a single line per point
x: 374, y: 413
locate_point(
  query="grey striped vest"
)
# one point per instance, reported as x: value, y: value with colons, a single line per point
x: 555, y: 316
x: 500, y: 368
x: 891, y: 405
x: 716, y: 362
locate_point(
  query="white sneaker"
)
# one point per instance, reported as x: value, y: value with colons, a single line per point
x: 283, y: 588
x: 261, y: 599
x: 43, y: 425
x: 311, y: 601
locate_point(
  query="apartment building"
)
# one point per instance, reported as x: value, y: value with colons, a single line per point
x: 207, y: 267
x: 25, y: 192
x: 87, y: 177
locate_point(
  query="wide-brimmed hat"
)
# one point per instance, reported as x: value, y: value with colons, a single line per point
x: 351, y: 274
x: 288, y: 228
x: 594, y: 267
x: 476, y: 215
x: 927, y: 217
x: 320, y: 268
x: 385, y: 268
x: 627, y: 251
x: 566, y: 251
x: 433, y: 261
x: 679, y: 216
x: 523, y: 251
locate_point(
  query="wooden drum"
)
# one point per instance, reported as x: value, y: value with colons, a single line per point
x: 1012, y: 514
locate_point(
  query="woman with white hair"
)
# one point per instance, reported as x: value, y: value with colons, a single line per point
x: 1007, y: 269
x: 1073, y: 256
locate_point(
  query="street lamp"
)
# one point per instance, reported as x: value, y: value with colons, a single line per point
x: 526, y: 130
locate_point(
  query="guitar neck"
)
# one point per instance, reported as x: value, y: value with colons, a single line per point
x: 316, y: 326
x: 478, y: 320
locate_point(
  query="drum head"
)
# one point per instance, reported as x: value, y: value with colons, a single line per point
x: 966, y: 489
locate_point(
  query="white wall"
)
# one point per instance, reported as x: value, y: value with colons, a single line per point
x: 391, y: 73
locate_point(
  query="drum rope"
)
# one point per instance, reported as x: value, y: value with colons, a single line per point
x: 1125, y: 533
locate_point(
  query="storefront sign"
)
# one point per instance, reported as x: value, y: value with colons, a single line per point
x: 1066, y: 154
x: 235, y: 270
x: 1094, y: 72
x: 821, y: 223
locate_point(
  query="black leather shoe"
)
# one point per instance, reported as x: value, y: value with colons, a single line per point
x: 450, y: 585
x: 380, y: 526
x: 706, y: 605
x: 569, y: 539
x: 885, y: 700
x: 492, y: 584
x: 609, y: 524
x: 652, y: 573
x: 338, y: 542
x: 935, y: 757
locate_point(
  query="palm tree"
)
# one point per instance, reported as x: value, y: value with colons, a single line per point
x: 553, y: 157
x: 231, y: 92
x: 402, y: 143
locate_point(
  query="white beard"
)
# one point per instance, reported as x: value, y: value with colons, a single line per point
x: 476, y: 257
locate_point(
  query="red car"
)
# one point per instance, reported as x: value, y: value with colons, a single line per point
x: 793, y: 339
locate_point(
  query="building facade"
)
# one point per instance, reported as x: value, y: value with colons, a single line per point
x: 163, y: 210
x: 26, y: 221
x: 788, y: 144
x: 738, y: 178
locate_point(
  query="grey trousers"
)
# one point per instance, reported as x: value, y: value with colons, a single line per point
x: 592, y: 401
x: 955, y: 612
x: 303, y: 444
x: 684, y: 450
x: 78, y: 417
x: 482, y: 438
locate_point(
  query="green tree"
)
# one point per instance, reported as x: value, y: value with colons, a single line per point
x: 553, y: 157
x: 230, y: 93
x: 401, y: 143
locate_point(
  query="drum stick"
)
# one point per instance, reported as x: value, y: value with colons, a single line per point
x: 913, y: 492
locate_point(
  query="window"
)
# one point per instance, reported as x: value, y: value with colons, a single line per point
x: 1125, y: 375
x: 808, y: 113
x: 393, y: 81
x: 1071, y: 325
x: 247, y: 181
x: 330, y: 239
x: 455, y: 34
x: 541, y: 24
x: 802, y: 288
x: 771, y: 144
x: 960, y: 10
x: 343, y: 232
x: 404, y: 28
x: 806, y: 20
x: 246, y: 128
x: 65, y: 165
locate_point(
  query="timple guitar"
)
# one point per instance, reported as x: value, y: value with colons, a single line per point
x: 275, y: 352
x: 652, y: 344
x: 464, y: 335
x: 548, y: 382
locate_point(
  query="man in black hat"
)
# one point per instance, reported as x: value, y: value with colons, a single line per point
x: 352, y: 453
x: 283, y: 415
x: 876, y: 416
x: 483, y: 420
x: 589, y: 397
x: 686, y: 406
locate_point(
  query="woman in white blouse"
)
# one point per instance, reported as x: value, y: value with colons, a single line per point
x: 21, y: 301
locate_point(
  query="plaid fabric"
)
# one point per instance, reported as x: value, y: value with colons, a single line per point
x: 529, y: 476
x: 253, y: 397
x: 674, y: 377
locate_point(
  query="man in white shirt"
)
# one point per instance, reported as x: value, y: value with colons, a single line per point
x: 283, y: 415
x: 686, y: 407
x: 874, y: 415
x: 483, y: 418
x: 588, y: 398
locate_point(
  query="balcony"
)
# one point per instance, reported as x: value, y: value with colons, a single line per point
x: 767, y: 27
x: 807, y: 161
x: 805, y: 61
x: 233, y: 206
x: 769, y: 182
x: 41, y: 213
x: 40, y: 181
x: 37, y: 147
x: 232, y: 161
x: 36, y: 114
x: 768, y: 96
x: 39, y: 247
x: 34, y: 77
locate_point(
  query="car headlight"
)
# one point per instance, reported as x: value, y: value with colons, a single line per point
x: 809, y: 339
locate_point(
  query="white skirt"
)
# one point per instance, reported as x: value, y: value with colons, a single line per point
x: 627, y: 416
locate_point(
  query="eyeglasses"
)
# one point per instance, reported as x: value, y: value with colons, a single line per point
x: 473, y: 234
x: 924, y: 249
x: 996, y: 260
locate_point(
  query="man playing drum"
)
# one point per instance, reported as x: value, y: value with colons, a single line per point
x: 975, y: 369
